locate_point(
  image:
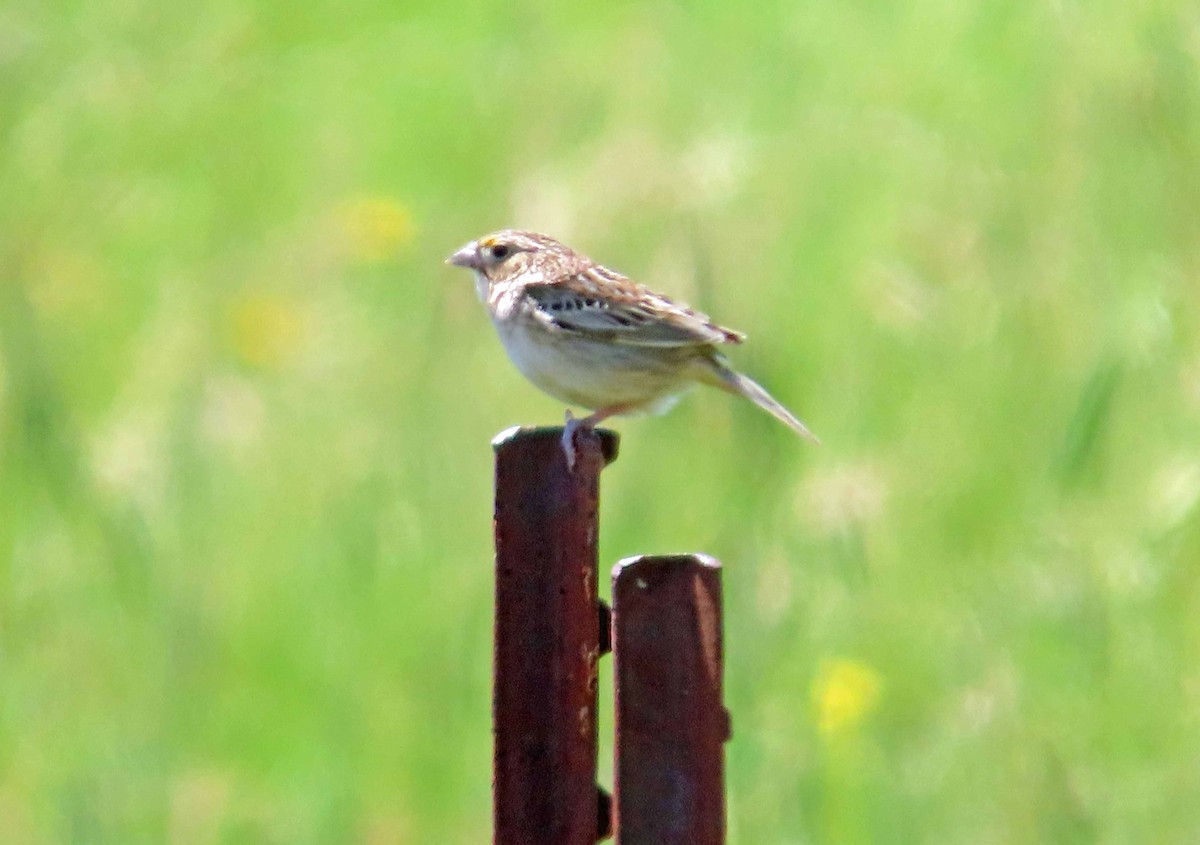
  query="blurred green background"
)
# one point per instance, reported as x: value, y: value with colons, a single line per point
x: 245, y: 411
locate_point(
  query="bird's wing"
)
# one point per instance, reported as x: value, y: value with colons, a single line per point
x: 601, y: 303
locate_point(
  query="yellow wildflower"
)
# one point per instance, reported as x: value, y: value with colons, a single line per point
x: 843, y: 694
x: 375, y: 227
x: 265, y: 330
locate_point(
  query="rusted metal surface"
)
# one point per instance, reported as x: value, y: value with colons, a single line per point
x: 547, y: 638
x: 671, y: 722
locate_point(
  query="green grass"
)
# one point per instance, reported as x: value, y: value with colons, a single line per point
x: 245, y: 410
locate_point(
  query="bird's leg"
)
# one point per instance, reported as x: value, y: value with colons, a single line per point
x: 572, y: 425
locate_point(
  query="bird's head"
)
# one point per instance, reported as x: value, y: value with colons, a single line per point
x: 511, y: 253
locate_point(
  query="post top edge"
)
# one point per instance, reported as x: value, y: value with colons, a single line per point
x: 629, y: 564
x: 609, y: 440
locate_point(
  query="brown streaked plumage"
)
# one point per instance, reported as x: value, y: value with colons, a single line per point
x: 590, y: 336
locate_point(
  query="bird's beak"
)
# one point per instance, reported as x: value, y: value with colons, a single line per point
x: 468, y: 256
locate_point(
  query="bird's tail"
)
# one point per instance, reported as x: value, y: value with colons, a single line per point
x: 717, y: 372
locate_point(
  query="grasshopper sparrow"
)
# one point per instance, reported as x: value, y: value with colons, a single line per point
x: 590, y: 336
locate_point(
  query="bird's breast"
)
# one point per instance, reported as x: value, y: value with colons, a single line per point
x: 585, y: 372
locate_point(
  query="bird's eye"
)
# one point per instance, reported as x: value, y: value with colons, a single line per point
x: 500, y: 251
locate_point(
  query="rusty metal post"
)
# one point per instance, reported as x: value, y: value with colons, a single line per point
x: 547, y: 639
x: 671, y: 721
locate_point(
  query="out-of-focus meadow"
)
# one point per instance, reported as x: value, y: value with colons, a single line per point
x: 245, y: 411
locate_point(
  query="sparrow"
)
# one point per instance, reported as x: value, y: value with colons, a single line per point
x: 590, y: 336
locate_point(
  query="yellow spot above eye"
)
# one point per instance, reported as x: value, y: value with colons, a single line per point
x: 488, y: 242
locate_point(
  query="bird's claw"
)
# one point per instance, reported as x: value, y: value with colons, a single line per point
x: 570, y: 426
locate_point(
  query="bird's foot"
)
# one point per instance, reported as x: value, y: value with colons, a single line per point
x: 588, y: 423
x: 570, y: 426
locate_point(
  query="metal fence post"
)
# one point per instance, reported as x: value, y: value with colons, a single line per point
x: 671, y: 721
x: 547, y: 639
